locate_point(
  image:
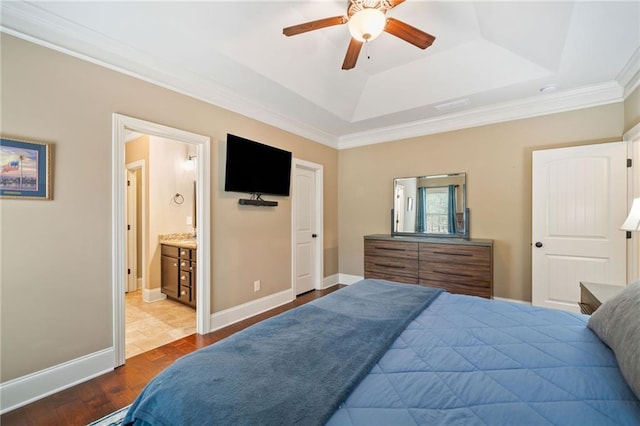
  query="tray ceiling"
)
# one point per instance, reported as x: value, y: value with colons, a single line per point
x: 488, y: 63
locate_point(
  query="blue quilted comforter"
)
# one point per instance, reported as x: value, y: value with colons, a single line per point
x: 467, y: 360
x: 295, y: 368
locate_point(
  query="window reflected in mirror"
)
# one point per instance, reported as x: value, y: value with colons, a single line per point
x: 430, y: 205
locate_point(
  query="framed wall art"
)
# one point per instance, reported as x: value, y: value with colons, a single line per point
x: 25, y: 169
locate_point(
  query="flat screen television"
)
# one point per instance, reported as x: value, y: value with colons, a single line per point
x: 256, y: 168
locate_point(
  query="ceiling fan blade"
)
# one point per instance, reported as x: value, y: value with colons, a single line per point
x: 314, y: 25
x: 351, y: 57
x: 408, y: 33
x: 394, y: 3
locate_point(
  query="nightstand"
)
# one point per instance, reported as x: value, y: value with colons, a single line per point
x: 592, y: 295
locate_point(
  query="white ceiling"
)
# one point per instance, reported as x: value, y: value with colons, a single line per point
x: 488, y: 63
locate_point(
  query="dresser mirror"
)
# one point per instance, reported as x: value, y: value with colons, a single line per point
x: 430, y: 206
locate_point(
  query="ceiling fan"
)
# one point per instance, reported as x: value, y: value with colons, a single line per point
x: 366, y: 20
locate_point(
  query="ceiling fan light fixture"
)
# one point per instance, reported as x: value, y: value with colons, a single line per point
x: 367, y: 24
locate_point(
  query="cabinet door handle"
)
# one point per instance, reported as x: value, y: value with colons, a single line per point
x: 175, y: 264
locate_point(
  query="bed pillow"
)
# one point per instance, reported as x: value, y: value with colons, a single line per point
x: 617, y: 323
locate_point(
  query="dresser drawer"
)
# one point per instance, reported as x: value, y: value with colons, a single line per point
x: 390, y: 266
x: 456, y: 266
x: 391, y: 249
x: 456, y: 254
x: 476, y: 275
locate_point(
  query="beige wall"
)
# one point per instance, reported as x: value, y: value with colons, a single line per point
x: 632, y: 110
x: 56, y: 255
x: 167, y: 177
x: 497, y: 160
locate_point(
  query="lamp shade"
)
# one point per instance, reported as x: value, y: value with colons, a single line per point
x: 367, y: 24
x: 632, y: 223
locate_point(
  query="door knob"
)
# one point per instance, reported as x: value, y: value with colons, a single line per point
x: 538, y: 244
x: 314, y: 235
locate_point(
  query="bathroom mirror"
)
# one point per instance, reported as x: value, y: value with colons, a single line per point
x: 432, y: 206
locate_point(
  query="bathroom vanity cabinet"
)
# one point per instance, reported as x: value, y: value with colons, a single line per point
x: 178, y: 279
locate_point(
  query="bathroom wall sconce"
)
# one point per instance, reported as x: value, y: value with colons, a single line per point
x: 190, y: 164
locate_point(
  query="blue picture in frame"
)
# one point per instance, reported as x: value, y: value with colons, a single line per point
x: 25, y: 170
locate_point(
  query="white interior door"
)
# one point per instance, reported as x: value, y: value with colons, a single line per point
x: 307, y: 226
x: 579, y: 203
x: 132, y: 264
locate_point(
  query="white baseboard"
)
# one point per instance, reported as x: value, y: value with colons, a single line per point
x: 512, y: 300
x: 349, y: 279
x: 153, y: 295
x: 330, y: 281
x: 238, y: 313
x: 26, y: 389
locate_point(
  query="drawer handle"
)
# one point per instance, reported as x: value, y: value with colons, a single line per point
x: 453, y: 254
x: 389, y: 266
x: 458, y: 274
x: 175, y: 264
x: 183, y: 263
x: 182, y: 253
x: 390, y: 248
x: 183, y: 278
x: 183, y: 292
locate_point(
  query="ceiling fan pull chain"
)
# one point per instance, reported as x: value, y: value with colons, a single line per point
x: 367, y: 44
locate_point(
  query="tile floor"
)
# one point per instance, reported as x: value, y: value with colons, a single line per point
x: 149, y: 325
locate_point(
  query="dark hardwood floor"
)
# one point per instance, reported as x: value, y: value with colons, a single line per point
x: 91, y: 400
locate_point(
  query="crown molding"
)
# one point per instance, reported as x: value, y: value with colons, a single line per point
x: 629, y: 76
x: 585, y: 97
x: 633, y: 134
x: 126, y: 60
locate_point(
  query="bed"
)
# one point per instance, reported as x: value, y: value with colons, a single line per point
x: 384, y: 353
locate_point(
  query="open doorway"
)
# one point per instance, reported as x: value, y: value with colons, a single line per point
x: 192, y: 147
x: 161, y: 178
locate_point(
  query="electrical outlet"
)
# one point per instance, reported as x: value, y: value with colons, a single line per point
x: 256, y: 285
x: 189, y: 220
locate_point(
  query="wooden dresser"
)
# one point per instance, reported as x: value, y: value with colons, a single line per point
x: 457, y: 265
